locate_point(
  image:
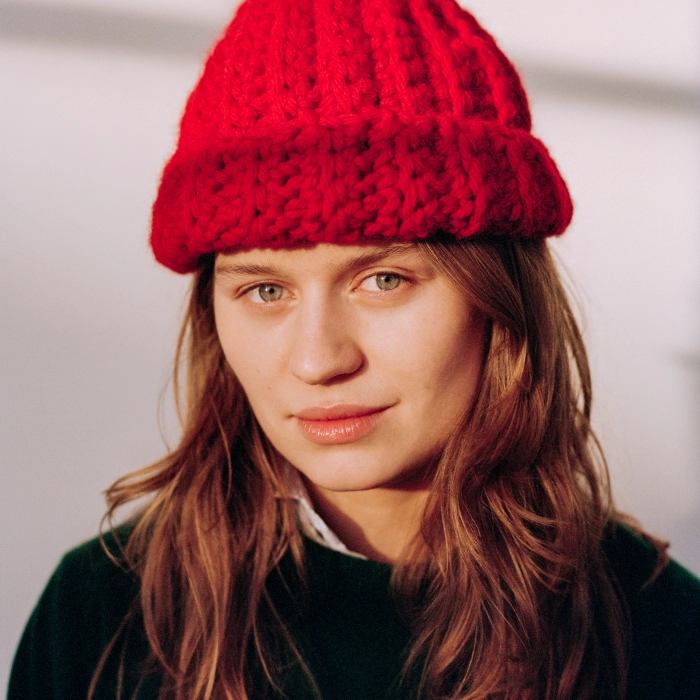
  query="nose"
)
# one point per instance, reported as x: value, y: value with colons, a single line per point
x: 324, y: 347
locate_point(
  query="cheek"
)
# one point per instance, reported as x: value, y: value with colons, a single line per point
x: 431, y: 352
x: 462, y: 351
x: 242, y: 350
x: 449, y: 365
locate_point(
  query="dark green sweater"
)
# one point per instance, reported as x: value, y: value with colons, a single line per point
x: 350, y: 633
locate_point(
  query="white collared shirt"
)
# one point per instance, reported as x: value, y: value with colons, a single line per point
x: 312, y: 524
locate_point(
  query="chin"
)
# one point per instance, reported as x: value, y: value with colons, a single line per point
x: 343, y: 473
x: 344, y: 476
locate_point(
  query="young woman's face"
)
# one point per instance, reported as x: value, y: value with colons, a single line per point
x: 358, y: 361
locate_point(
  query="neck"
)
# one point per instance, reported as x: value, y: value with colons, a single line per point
x: 379, y: 523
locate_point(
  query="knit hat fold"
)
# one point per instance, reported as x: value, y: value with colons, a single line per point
x: 349, y: 122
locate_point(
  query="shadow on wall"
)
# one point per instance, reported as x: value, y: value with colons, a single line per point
x: 106, y: 29
x: 112, y: 29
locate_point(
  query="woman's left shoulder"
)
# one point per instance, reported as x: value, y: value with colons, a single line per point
x: 664, y: 612
x: 634, y: 560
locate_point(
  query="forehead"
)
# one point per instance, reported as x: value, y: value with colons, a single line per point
x: 328, y: 257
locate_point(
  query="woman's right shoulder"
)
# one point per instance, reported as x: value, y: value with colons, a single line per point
x: 100, y: 556
x: 97, y: 575
x: 86, y: 600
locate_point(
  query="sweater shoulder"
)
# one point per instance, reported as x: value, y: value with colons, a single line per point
x: 663, y: 607
x: 634, y: 561
x: 96, y: 577
x: 99, y: 559
x: 83, y: 607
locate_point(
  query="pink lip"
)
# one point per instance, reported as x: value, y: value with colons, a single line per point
x: 338, y: 425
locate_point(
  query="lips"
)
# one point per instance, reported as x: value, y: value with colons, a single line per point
x: 338, y: 425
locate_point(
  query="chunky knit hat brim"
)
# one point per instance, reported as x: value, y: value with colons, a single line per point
x: 377, y: 171
x: 365, y: 180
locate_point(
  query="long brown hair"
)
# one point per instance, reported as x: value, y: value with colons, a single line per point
x: 513, y: 601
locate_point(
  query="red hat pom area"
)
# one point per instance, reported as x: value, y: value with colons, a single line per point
x: 349, y: 122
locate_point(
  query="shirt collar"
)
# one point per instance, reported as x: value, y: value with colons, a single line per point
x: 312, y: 524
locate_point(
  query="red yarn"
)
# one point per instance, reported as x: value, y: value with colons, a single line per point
x: 348, y: 121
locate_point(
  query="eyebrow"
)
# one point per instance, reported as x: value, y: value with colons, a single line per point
x: 234, y: 269
x: 231, y: 269
x: 372, y: 258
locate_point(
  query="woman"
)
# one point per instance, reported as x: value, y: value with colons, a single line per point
x: 387, y: 484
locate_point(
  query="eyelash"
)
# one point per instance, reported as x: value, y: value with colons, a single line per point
x: 386, y: 273
x: 383, y: 273
x: 247, y: 292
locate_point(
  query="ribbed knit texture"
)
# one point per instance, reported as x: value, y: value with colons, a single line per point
x: 350, y: 121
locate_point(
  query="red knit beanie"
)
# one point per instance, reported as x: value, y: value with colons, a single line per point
x: 352, y: 121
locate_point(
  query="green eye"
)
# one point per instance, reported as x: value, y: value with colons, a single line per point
x: 386, y: 282
x: 270, y: 292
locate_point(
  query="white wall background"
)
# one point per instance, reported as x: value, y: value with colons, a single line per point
x: 88, y: 320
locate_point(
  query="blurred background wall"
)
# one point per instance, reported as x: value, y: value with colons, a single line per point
x: 91, y: 93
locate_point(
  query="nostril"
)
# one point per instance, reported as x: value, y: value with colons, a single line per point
x: 329, y: 368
